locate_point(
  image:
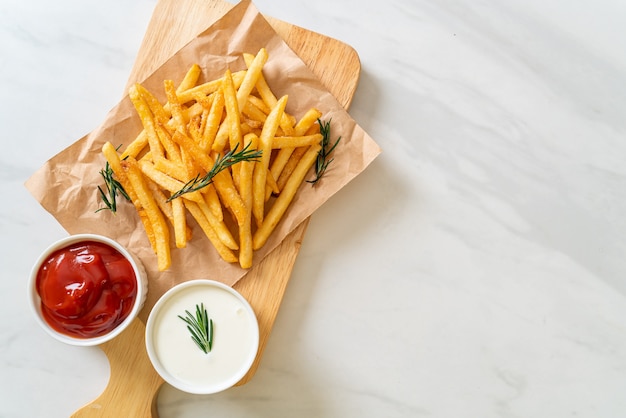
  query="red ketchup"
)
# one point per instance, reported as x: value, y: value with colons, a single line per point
x: 86, y: 289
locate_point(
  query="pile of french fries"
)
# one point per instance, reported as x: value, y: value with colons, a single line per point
x: 182, y: 139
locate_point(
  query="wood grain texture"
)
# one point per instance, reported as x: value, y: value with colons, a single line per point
x: 134, y: 384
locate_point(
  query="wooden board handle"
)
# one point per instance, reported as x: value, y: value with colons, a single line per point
x: 133, y: 384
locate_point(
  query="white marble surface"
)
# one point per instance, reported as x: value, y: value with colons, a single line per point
x: 476, y: 269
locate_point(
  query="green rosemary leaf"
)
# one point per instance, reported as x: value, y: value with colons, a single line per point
x: 323, y: 160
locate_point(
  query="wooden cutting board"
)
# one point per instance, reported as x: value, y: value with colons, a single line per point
x: 133, y: 383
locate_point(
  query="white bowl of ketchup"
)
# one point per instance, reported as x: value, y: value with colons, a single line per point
x: 86, y: 289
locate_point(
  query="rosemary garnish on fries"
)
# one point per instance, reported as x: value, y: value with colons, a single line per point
x: 322, y: 161
x: 232, y: 157
x: 113, y: 187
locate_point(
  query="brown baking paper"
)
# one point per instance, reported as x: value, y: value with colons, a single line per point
x: 66, y: 185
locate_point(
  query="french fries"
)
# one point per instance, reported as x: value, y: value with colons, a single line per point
x: 223, y: 153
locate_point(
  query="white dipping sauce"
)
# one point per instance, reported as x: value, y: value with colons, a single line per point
x: 177, y: 357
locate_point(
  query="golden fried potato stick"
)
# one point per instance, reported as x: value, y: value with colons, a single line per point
x: 190, y: 79
x: 245, y: 190
x: 259, y: 180
x: 147, y: 120
x: 224, y: 252
x: 233, y: 120
x: 213, y: 121
x: 154, y: 214
x: 295, y: 141
x: 290, y: 166
x: 284, y: 199
x: 180, y: 222
x: 252, y: 76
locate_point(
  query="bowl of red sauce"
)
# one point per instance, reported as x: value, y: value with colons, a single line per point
x: 86, y: 289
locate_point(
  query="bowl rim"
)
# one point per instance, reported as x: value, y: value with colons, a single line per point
x: 167, y: 376
x: 34, y: 299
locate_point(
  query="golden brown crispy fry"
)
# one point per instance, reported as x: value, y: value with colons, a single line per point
x: 190, y: 79
x: 245, y: 190
x: 291, y: 164
x: 259, y: 180
x: 295, y: 141
x: 213, y: 121
x: 147, y: 120
x: 154, y: 214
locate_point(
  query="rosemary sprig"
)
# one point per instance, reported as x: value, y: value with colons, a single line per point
x: 232, y: 157
x: 200, y: 327
x: 322, y: 161
x: 113, y: 187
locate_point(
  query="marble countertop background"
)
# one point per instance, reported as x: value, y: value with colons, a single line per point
x: 476, y: 269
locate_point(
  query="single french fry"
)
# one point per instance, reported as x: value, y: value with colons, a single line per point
x: 233, y: 115
x: 190, y: 79
x: 224, y: 252
x: 180, y: 222
x: 284, y: 199
x: 259, y: 180
x: 147, y: 225
x: 157, y: 220
x: 147, y: 120
x: 136, y: 146
x: 252, y: 76
x: 295, y: 141
x: 213, y: 121
x: 309, y: 119
x: 245, y: 190
x: 290, y: 166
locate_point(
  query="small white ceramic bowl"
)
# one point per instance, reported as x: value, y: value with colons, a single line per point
x: 179, y: 361
x: 35, y: 300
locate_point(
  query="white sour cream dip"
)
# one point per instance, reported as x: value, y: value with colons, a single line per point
x: 179, y: 360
